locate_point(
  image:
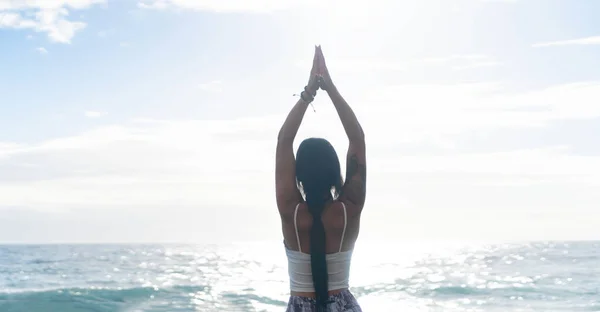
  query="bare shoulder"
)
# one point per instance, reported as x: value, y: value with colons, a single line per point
x: 291, y: 213
x: 353, y: 210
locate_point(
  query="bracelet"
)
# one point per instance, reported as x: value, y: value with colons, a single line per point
x: 306, y: 97
x: 314, y: 93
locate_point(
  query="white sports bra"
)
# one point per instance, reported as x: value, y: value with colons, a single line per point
x: 300, y: 271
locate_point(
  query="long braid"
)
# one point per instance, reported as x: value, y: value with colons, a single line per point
x: 318, y: 260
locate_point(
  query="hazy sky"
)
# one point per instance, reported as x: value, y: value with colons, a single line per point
x: 156, y: 120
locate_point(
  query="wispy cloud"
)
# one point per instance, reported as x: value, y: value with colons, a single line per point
x: 456, y: 57
x: 47, y: 4
x: 95, y: 114
x: 158, y: 160
x: 41, y: 50
x: 154, y: 4
x: 462, y: 62
x: 454, y: 62
x: 261, y: 6
x: 196, y: 163
x: 595, y: 40
x: 511, y: 1
x: 49, y: 16
x: 255, y: 6
x: 212, y: 86
x: 477, y: 65
x: 106, y: 33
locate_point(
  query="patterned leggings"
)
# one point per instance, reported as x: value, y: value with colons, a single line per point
x: 342, y: 302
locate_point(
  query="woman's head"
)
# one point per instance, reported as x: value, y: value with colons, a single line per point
x: 318, y: 168
x: 318, y: 173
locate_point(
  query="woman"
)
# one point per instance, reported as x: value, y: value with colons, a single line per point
x: 321, y: 227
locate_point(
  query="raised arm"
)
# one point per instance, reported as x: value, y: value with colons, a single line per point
x: 286, y: 190
x: 354, y: 189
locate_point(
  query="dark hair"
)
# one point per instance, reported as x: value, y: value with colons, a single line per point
x: 318, y: 174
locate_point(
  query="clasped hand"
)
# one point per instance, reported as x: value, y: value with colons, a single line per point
x: 319, y: 75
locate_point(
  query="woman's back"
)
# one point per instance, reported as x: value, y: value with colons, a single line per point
x: 338, y: 256
x: 340, y: 228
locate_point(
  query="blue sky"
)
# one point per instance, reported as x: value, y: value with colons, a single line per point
x: 137, y: 120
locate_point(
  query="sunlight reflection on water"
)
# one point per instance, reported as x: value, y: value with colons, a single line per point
x: 415, y: 276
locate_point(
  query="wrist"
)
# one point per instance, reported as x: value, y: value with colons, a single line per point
x: 306, y: 96
x: 311, y: 89
x: 331, y: 89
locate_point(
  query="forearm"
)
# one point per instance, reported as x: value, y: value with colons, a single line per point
x: 351, y: 125
x: 292, y: 123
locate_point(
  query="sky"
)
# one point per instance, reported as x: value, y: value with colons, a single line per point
x: 156, y: 120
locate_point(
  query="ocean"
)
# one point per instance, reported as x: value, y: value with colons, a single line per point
x: 402, y: 276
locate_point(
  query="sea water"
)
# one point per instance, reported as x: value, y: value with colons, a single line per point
x: 535, y: 276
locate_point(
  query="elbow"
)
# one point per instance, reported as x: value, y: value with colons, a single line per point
x: 357, y: 141
x: 358, y: 137
x: 282, y: 137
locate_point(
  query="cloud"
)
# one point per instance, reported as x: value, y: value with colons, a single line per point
x: 255, y: 6
x: 95, y: 114
x: 454, y: 62
x: 42, y: 50
x: 461, y: 62
x: 260, y: 6
x: 50, y: 17
x: 457, y: 57
x: 581, y: 41
x: 484, y: 104
x: 420, y: 163
x: 106, y: 32
x: 154, y: 4
x: 212, y: 86
x: 476, y: 65
x: 47, y: 4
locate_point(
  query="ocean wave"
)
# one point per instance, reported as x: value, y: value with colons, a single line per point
x: 97, y: 299
x: 85, y: 278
